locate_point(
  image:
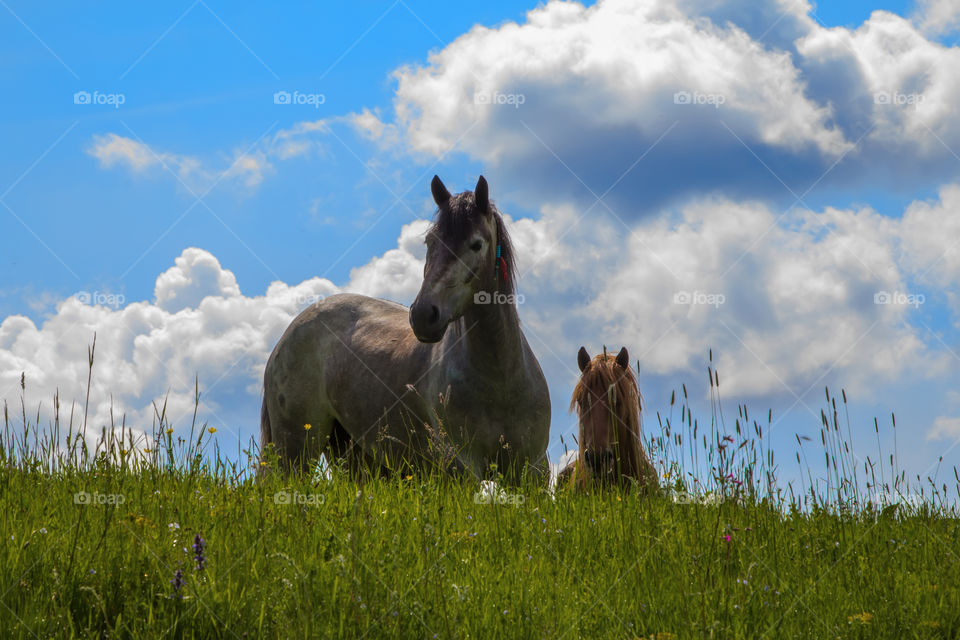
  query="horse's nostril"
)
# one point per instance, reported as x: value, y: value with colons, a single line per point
x: 425, y: 315
x: 598, y: 460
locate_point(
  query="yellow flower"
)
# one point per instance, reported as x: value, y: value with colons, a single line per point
x: 862, y: 618
x: 170, y: 431
x: 409, y: 478
x: 148, y: 450
x: 308, y: 426
x: 462, y: 535
x: 212, y: 429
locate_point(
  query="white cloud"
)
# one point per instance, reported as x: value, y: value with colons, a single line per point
x: 785, y: 302
x: 937, y: 17
x: 944, y: 428
x: 369, y: 124
x: 396, y: 274
x: 618, y: 63
x: 931, y: 238
x: 196, y: 275
x: 589, y: 91
x: 247, y: 166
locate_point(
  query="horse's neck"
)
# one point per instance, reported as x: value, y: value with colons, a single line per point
x: 492, y: 339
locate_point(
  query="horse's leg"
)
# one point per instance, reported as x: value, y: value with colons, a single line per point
x: 298, y: 447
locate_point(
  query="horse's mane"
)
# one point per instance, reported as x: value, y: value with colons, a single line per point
x: 456, y: 220
x: 602, y: 384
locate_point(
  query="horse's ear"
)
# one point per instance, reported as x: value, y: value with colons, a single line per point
x: 583, y: 359
x: 440, y: 194
x: 623, y: 358
x: 481, y: 195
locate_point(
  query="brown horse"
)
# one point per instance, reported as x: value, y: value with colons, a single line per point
x: 607, y: 401
x: 385, y: 387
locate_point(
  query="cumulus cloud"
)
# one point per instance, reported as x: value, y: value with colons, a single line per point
x: 199, y: 326
x: 196, y: 275
x: 396, y: 274
x: 668, y: 99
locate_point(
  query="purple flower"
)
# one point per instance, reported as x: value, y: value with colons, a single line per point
x: 198, y: 557
x: 177, y: 582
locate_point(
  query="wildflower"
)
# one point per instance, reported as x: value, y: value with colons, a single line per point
x: 93, y: 572
x: 199, y: 558
x: 170, y: 431
x: 173, y: 526
x: 177, y: 582
x: 862, y: 618
x: 727, y: 537
x: 148, y: 450
x: 308, y: 426
x: 212, y: 429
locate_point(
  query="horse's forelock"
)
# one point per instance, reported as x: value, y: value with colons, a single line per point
x: 590, y: 398
x: 456, y: 220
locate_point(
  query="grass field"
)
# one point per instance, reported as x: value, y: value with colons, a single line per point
x: 181, y: 540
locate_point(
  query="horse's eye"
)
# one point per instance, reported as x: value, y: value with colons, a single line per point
x: 476, y: 246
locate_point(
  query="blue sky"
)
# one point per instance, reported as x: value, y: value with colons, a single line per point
x: 105, y: 198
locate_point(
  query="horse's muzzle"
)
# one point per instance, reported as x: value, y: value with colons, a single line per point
x: 599, y: 462
x: 426, y: 322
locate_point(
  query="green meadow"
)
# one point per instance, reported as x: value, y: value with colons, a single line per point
x: 181, y: 540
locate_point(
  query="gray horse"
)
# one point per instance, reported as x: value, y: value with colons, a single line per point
x: 387, y: 389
